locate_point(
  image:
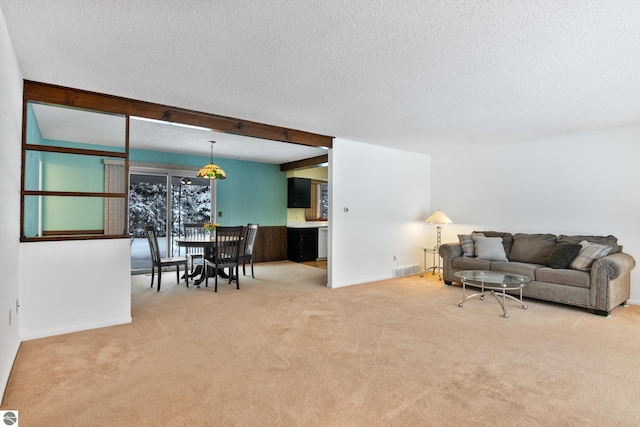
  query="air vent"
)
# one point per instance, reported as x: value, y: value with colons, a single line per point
x: 405, y: 271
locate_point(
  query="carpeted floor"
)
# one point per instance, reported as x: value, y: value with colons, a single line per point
x: 286, y: 350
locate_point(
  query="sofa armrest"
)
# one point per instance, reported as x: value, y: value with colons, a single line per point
x: 616, y: 265
x: 448, y: 252
x: 611, y: 281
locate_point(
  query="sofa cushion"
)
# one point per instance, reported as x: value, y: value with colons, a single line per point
x: 466, y: 243
x: 522, y: 268
x: 507, y: 239
x: 601, y: 240
x: 533, y: 248
x: 489, y: 248
x: 588, y: 254
x: 467, y: 263
x: 567, y: 277
x: 562, y: 255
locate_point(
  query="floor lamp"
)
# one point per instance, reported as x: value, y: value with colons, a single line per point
x: 438, y: 218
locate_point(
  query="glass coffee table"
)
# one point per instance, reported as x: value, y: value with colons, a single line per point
x: 495, y: 282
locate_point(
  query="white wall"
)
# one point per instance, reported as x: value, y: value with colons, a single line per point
x: 586, y: 183
x: 74, y: 285
x: 10, y: 137
x: 386, y: 192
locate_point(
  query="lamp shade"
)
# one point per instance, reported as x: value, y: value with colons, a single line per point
x: 439, y: 217
x: 212, y: 171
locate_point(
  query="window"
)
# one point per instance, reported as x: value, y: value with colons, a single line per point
x: 319, y: 209
x: 167, y: 199
x: 324, y: 201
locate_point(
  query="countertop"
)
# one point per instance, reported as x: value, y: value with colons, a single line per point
x: 307, y: 224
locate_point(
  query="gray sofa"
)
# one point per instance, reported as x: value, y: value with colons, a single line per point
x: 600, y: 286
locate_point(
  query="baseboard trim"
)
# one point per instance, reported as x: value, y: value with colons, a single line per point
x: 369, y: 280
x: 75, y: 328
x: 633, y: 301
x: 4, y: 379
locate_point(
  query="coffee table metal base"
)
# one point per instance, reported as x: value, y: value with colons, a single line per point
x: 498, y: 294
x: 497, y: 283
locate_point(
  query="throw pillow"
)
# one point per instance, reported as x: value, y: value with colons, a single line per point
x: 507, y: 238
x: 489, y: 248
x: 532, y: 248
x: 563, y: 254
x: 601, y: 240
x: 588, y: 254
x: 466, y: 243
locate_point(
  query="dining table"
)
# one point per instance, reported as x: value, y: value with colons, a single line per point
x: 207, y: 244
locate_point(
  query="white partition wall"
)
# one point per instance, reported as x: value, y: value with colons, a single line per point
x: 583, y: 183
x: 74, y: 285
x: 379, y: 202
x: 10, y: 138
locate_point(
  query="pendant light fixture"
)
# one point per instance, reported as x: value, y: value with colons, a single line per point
x: 212, y: 171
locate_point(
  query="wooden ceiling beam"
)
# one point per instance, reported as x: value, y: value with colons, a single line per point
x: 305, y: 163
x: 53, y: 94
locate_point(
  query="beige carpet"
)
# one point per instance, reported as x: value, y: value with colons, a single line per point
x: 285, y: 350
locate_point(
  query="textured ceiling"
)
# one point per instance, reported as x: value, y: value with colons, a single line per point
x: 420, y: 75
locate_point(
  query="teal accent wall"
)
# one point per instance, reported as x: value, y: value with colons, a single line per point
x: 33, y: 131
x: 253, y: 192
x: 72, y: 213
x: 32, y: 176
x: 72, y: 172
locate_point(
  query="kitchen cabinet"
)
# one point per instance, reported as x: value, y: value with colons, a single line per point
x: 299, y: 193
x: 302, y: 244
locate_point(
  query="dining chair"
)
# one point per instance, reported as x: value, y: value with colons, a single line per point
x: 249, y: 243
x: 194, y: 231
x: 160, y: 262
x: 225, y: 254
